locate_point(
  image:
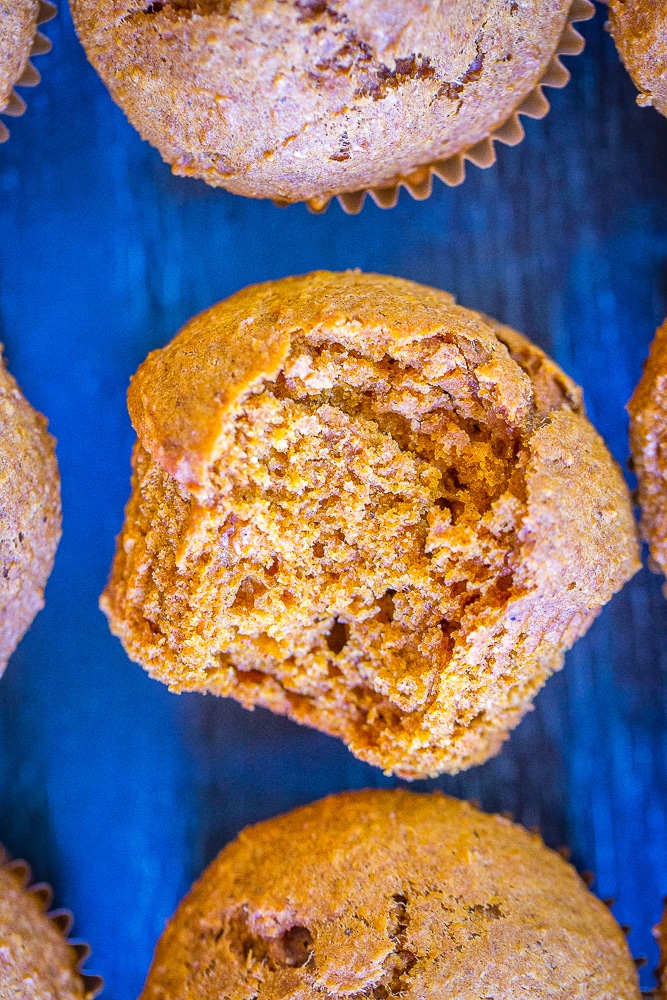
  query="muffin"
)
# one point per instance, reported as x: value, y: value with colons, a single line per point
x: 648, y: 443
x: 19, y: 39
x: 306, y: 99
x: 367, y: 508
x: 29, y: 512
x: 36, y: 960
x: 661, y: 975
x: 639, y: 28
x: 379, y: 894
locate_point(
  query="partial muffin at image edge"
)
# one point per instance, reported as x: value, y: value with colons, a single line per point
x: 37, y: 962
x: 639, y: 28
x: 30, y: 518
x: 307, y: 100
x: 648, y: 443
x: 367, y: 508
x: 19, y: 41
x: 660, y: 934
x: 377, y: 894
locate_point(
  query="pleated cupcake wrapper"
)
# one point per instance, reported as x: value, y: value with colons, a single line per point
x: 30, y: 76
x: 452, y: 170
x: 61, y: 919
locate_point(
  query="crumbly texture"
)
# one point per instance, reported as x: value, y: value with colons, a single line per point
x: 371, y: 895
x: 18, y: 26
x: 302, y: 99
x: 36, y: 962
x: 639, y: 28
x: 29, y: 512
x: 648, y: 442
x: 363, y: 506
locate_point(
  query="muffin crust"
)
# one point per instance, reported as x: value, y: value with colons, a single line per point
x: 648, y: 442
x: 639, y: 28
x: 29, y: 512
x: 36, y: 960
x: 363, y: 506
x: 660, y: 933
x: 18, y: 26
x: 379, y: 894
x: 304, y: 99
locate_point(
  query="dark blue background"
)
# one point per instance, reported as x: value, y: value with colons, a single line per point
x: 118, y: 792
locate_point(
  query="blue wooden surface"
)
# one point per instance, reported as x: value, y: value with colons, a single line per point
x: 118, y: 792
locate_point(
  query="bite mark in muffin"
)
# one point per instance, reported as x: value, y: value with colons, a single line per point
x: 367, y: 508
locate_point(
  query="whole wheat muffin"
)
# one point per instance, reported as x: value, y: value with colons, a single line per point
x: 29, y: 512
x: 36, y: 960
x: 660, y: 933
x: 380, y: 894
x: 639, y: 28
x: 19, y: 40
x: 648, y: 442
x: 303, y: 99
x: 18, y: 25
x: 363, y: 506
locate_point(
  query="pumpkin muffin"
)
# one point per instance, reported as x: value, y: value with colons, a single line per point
x: 367, y: 508
x: 380, y: 894
x: 19, y: 40
x: 36, y: 960
x: 306, y: 99
x: 648, y: 442
x: 639, y: 28
x: 660, y: 933
x: 29, y: 512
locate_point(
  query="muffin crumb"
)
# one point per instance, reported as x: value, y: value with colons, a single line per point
x: 364, y: 507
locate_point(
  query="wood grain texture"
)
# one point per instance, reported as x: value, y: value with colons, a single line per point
x: 116, y: 791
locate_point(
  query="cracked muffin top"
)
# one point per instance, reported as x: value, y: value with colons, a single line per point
x: 374, y: 894
x: 29, y: 512
x: 639, y: 28
x: 18, y: 25
x: 302, y: 99
x: 363, y: 506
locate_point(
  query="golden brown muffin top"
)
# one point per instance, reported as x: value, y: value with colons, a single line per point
x: 36, y: 961
x: 648, y: 441
x: 29, y: 512
x: 376, y: 894
x: 639, y: 28
x: 361, y: 505
x: 303, y: 99
x: 18, y: 24
x: 183, y: 394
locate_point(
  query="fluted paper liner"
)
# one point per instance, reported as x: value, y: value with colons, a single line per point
x: 30, y: 77
x: 452, y: 170
x: 61, y: 919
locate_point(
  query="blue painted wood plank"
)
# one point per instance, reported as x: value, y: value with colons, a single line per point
x: 118, y: 792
